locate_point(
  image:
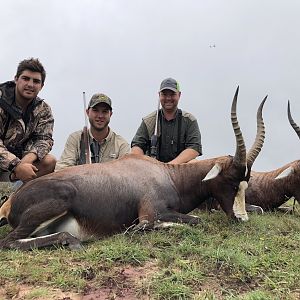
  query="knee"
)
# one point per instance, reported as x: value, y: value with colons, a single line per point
x: 47, y: 164
x: 50, y: 160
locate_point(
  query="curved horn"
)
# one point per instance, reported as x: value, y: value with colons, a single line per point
x: 240, y: 153
x: 260, y: 136
x: 294, y: 125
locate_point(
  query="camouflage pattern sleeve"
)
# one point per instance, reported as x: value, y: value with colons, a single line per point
x: 7, y: 159
x: 41, y: 141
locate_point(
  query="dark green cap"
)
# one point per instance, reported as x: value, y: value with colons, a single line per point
x: 169, y: 84
x: 99, y: 98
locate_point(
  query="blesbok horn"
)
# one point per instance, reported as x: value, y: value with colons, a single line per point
x: 290, y: 170
x: 240, y: 153
x: 260, y: 136
x: 292, y: 122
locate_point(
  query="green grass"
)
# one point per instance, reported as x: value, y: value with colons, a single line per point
x: 220, y: 259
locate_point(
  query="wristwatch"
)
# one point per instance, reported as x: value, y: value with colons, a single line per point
x: 13, y: 164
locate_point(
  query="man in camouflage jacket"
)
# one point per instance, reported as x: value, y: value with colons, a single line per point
x: 26, y: 125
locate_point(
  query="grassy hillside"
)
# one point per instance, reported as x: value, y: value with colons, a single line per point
x: 219, y: 259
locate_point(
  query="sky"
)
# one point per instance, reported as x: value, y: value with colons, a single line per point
x: 125, y: 48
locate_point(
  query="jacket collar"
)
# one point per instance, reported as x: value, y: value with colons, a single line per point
x: 108, y: 138
x: 7, y: 99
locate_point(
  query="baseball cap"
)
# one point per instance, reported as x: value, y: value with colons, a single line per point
x: 99, y: 98
x: 169, y: 84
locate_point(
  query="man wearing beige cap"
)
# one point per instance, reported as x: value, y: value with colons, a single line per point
x: 105, y: 145
x: 177, y: 132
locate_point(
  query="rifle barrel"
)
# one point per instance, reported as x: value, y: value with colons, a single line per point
x: 154, y: 138
x: 87, y: 150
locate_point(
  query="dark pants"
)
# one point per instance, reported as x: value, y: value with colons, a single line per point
x: 4, y: 176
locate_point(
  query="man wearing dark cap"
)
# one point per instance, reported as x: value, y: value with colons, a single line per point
x: 179, y: 138
x: 105, y: 145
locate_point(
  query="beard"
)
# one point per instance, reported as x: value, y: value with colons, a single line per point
x: 99, y: 127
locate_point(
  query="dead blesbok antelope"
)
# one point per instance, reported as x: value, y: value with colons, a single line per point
x: 269, y: 190
x: 212, y: 203
x: 91, y: 201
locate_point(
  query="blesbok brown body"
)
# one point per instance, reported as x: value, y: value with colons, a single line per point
x: 269, y: 190
x: 95, y: 200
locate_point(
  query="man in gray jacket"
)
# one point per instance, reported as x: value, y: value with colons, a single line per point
x: 179, y: 139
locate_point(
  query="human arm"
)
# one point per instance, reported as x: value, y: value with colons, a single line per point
x: 124, y: 149
x: 41, y: 140
x: 22, y: 169
x: 39, y: 144
x: 140, y: 141
x: 71, y: 152
x: 25, y: 170
x: 185, y: 156
x: 8, y: 160
x: 193, y: 147
x: 137, y: 150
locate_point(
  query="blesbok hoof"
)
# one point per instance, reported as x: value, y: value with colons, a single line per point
x: 143, y: 226
x: 254, y: 208
x: 195, y: 221
x: 71, y: 241
x: 163, y: 225
x: 241, y: 217
x: 75, y: 246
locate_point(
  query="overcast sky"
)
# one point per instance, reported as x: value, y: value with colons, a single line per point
x: 125, y: 48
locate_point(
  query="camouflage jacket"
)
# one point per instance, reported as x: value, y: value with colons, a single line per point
x: 22, y: 133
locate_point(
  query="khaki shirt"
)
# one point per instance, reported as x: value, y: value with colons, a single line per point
x: 113, y: 147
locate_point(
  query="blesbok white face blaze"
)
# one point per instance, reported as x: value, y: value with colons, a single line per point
x: 239, y: 205
x: 246, y: 171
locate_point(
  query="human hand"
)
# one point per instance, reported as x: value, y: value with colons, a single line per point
x: 25, y: 171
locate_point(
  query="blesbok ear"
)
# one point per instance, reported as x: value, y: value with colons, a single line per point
x: 213, y: 173
x: 287, y: 172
